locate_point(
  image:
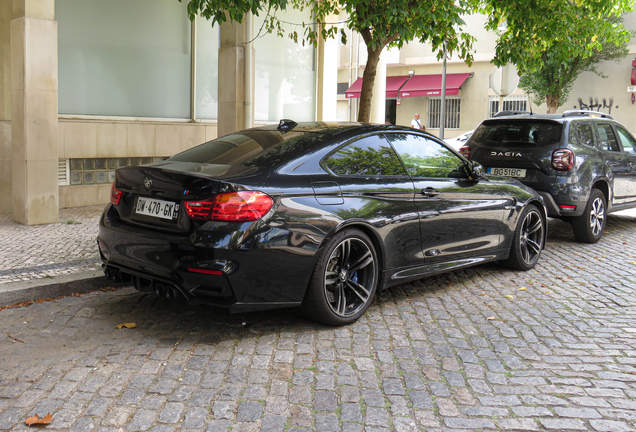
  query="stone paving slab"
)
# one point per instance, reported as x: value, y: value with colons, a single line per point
x: 481, y: 349
x: 53, y: 260
x: 43, y: 251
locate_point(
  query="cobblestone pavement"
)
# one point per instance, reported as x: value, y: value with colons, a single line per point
x: 479, y: 349
x: 39, y: 251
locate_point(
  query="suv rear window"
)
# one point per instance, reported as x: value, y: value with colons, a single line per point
x: 497, y: 133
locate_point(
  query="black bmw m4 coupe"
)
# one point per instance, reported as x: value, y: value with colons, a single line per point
x: 313, y: 215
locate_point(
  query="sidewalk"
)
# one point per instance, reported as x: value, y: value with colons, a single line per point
x: 46, y: 261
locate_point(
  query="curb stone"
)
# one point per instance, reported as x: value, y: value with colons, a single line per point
x: 52, y: 287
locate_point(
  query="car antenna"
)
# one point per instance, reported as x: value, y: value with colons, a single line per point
x: 285, y: 125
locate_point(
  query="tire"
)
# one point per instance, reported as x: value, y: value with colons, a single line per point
x: 528, y: 239
x: 344, y: 280
x: 589, y: 227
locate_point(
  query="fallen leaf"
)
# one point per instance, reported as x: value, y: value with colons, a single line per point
x: 491, y: 318
x: 39, y: 421
x: 127, y: 325
x: 15, y: 338
x: 632, y: 262
x: 547, y: 292
x: 508, y: 296
x: 482, y: 294
x: 523, y: 289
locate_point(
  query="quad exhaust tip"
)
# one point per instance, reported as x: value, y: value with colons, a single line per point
x: 166, y: 291
x: 161, y: 289
x: 113, y: 274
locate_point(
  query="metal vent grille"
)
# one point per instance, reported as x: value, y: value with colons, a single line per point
x: 63, y: 172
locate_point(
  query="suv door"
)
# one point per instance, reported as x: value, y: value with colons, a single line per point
x: 459, y: 218
x: 628, y: 143
x: 620, y: 164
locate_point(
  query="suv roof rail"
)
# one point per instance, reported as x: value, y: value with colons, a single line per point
x: 588, y: 113
x: 511, y: 113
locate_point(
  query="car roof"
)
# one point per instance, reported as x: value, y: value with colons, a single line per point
x: 562, y: 118
x: 332, y: 128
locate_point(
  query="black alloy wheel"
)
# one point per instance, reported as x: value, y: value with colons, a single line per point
x: 527, y: 243
x: 589, y: 227
x: 345, y: 280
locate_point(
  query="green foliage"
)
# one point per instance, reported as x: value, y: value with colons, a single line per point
x: 563, y: 28
x: 381, y: 22
x: 553, y: 79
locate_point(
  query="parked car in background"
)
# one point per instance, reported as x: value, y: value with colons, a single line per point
x: 582, y: 163
x: 459, y: 141
x: 317, y: 215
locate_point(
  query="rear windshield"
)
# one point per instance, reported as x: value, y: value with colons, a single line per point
x: 495, y: 133
x: 251, y: 148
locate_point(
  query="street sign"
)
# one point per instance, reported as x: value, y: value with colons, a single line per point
x: 631, y: 89
x: 504, y: 80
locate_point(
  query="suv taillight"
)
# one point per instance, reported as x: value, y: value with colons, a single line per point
x: 115, y: 195
x: 562, y: 159
x: 465, y: 151
x: 243, y: 206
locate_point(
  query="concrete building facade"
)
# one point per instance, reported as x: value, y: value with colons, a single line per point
x: 87, y: 86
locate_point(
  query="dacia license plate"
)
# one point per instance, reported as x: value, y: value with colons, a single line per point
x: 157, y: 208
x: 508, y: 172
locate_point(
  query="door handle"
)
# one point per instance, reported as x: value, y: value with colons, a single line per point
x: 429, y: 192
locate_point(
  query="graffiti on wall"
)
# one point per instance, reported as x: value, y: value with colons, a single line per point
x: 595, y: 105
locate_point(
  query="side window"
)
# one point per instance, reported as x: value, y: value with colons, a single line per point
x: 427, y: 158
x: 582, y: 133
x: 629, y: 145
x: 608, y: 139
x: 369, y: 156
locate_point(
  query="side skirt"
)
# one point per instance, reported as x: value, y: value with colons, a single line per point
x: 402, y: 275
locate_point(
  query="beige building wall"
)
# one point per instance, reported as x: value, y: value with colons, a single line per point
x: 121, y: 139
x: 35, y: 195
x: 6, y: 12
x: 602, y: 91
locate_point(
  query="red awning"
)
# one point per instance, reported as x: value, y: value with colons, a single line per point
x: 431, y: 85
x: 393, y: 84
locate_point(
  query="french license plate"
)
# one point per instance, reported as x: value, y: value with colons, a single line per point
x: 157, y: 208
x: 508, y: 172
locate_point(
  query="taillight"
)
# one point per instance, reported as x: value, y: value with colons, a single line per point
x: 243, y: 206
x: 465, y: 151
x: 562, y: 159
x: 115, y: 195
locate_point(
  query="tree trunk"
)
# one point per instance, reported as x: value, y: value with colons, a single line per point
x: 368, y: 79
x: 553, y: 103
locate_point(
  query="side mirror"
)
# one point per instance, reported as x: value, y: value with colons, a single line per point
x: 477, y: 171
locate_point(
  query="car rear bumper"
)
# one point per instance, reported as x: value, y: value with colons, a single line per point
x: 266, y: 269
x: 556, y: 211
